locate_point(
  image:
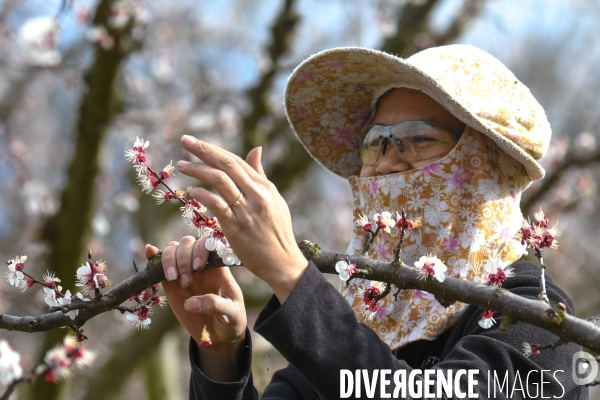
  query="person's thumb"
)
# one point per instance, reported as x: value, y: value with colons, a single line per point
x: 253, y: 159
x: 212, y: 304
x: 150, y: 251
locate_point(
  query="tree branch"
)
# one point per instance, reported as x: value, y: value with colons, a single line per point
x: 571, y: 161
x: 470, y: 10
x: 282, y: 30
x: 517, y: 308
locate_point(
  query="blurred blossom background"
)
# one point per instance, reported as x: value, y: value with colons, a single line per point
x: 79, y: 80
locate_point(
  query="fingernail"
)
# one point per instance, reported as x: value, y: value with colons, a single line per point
x: 197, y: 263
x: 171, y: 274
x: 187, y: 140
x: 259, y: 152
x: 182, y: 164
x: 185, y: 280
x: 192, y: 304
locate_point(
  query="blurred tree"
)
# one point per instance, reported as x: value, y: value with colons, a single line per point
x: 66, y: 231
x: 175, y: 84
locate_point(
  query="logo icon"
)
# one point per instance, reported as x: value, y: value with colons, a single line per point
x: 584, y: 368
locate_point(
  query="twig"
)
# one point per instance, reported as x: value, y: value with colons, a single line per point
x: 571, y: 161
x: 543, y: 295
x: 398, y: 248
x: 369, y: 241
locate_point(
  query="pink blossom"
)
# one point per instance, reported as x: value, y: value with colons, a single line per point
x: 363, y: 222
x: 370, y: 298
x: 404, y: 223
x: 59, y: 361
x: 167, y: 172
x: 498, y: 278
x: 92, y: 277
x: 137, y: 154
x: 538, y: 235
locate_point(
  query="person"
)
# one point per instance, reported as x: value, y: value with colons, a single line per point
x: 448, y: 134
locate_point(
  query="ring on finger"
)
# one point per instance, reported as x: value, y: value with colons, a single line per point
x: 237, y: 201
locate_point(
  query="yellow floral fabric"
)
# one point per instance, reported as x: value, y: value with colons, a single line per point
x: 469, y: 205
x: 329, y: 96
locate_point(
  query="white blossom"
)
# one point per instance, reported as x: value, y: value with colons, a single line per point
x: 66, y: 300
x: 487, y: 320
x: 345, y: 270
x: 140, y: 323
x: 362, y: 221
x: 99, y: 35
x: 50, y: 296
x: 14, y: 276
x: 384, y: 221
x: 430, y: 265
x: 37, y: 38
x: 218, y: 243
x: 50, y: 278
x: 169, y: 168
x: 539, y: 216
x: 10, y: 364
x: 59, y: 363
x: 487, y: 323
x: 159, y: 196
x: 92, y: 278
x: 136, y: 154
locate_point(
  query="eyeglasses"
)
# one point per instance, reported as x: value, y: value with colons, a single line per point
x: 413, y: 140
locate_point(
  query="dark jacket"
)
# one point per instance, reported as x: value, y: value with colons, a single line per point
x: 318, y: 334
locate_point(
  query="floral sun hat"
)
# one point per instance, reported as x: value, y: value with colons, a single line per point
x: 329, y: 97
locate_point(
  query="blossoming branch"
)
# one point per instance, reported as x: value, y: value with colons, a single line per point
x: 193, y: 213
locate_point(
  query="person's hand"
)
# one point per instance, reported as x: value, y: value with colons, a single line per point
x: 254, y: 217
x: 200, y: 298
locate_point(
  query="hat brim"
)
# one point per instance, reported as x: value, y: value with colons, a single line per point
x: 358, y: 76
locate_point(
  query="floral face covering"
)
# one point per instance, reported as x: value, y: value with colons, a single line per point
x: 468, y: 203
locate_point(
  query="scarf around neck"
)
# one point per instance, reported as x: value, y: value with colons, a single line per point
x: 468, y: 203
